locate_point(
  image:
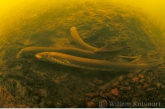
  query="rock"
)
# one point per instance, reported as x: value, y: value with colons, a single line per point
x: 98, y: 81
x: 115, y: 83
x: 90, y: 104
x: 162, y: 86
x: 35, y: 106
x: 87, y: 99
x: 112, y: 97
x: 42, y: 104
x: 125, y: 88
x: 0, y: 73
x: 126, y: 83
x: 141, y: 80
x: 158, y: 85
x: 139, y: 86
x: 135, y: 79
x: 58, y: 105
x: 103, y: 95
x: 130, y: 75
x: 115, y: 92
x: 150, y: 89
x: 121, y: 78
x: 22, y: 106
x: 145, y: 85
x: 141, y: 76
x: 35, y: 99
x: 50, y: 104
x: 92, y: 95
x: 125, y: 97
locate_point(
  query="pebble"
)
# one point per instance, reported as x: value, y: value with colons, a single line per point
x: 125, y: 88
x: 115, y: 83
x: 22, y: 106
x: 42, y: 104
x: 120, y: 78
x: 103, y: 95
x: 98, y: 81
x: 35, y: 98
x: 158, y: 85
x: 92, y: 95
x: 150, y: 89
x: 138, y: 86
x: 130, y: 75
x: 141, y: 80
x: 90, y: 104
x: 162, y: 86
x: 115, y: 92
x: 145, y: 85
x: 58, y: 105
x: 140, y: 76
x: 126, y: 83
x: 135, y: 79
x: 163, y: 99
x: 35, y: 106
x: 112, y: 97
x: 87, y: 99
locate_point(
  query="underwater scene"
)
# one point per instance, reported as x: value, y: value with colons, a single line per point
x: 82, y: 53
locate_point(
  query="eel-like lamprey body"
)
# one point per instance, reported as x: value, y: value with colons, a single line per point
x: 31, y: 51
x: 93, y: 64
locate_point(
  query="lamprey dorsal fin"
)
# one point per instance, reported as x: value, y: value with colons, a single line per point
x: 109, y: 48
x: 79, y: 41
x: 129, y: 58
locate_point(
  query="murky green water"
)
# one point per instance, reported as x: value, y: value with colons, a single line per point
x: 31, y: 82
